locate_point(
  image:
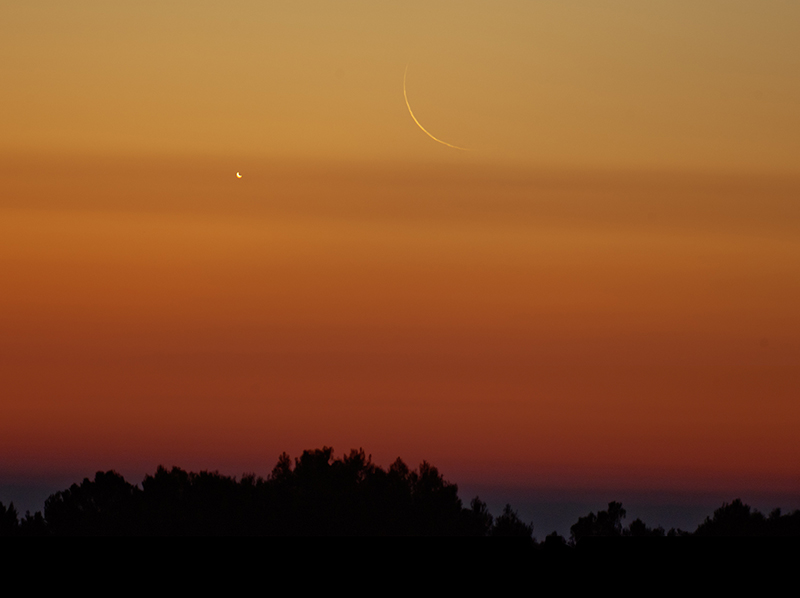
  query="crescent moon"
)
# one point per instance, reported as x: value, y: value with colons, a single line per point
x: 405, y: 95
x: 238, y: 176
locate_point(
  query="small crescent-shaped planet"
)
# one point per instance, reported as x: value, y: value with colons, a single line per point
x: 405, y: 95
x: 238, y: 176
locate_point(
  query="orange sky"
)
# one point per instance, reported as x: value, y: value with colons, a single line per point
x: 603, y: 293
x: 622, y: 84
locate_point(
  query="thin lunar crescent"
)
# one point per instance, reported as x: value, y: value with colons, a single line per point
x: 238, y: 176
x: 405, y: 95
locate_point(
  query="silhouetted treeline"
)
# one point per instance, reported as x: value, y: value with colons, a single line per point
x: 730, y: 520
x: 318, y: 495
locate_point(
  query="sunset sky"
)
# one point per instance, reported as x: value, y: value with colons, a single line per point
x: 601, y: 294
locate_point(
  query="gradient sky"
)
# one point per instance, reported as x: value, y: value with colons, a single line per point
x: 604, y: 293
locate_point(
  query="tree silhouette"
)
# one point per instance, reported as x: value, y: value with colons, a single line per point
x: 735, y: 519
x: 638, y: 529
x: 101, y: 507
x: 510, y: 525
x: 479, y: 519
x: 555, y: 542
x: 604, y: 524
x: 9, y: 523
x: 34, y: 525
